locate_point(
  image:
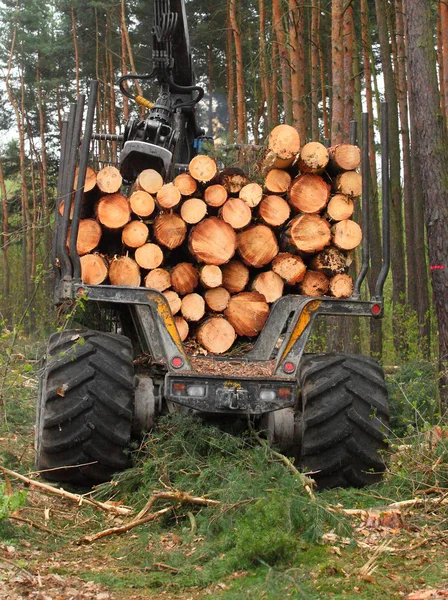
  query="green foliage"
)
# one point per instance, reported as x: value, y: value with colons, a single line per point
x: 9, y: 502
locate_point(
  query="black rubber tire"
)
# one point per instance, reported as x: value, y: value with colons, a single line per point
x: 345, y: 419
x: 85, y: 407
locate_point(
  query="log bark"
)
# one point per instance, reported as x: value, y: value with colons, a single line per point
x: 203, y: 168
x: 309, y: 194
x: 252, y: 193
x: 186, y: 185
x: 341, y: 286
x: 193, y: 211
x: 330, y: 262
x: 340, y: 207
x: 135, y: 234
x: 215, y: 195
x: 313, y: 158
x: 210, y: 276
x: 347, y: 235
x: 124, y: 271
x: 289, y: 267
x: 182, y: 327
x: 277, y: 181
x: 247, y: 313
x: 168, y: 196
x: 170, y: 230
x: 274, y: 211
x: 149, y: 256
x: 314, y: 284
x: 237, y: 213
x: 233, y: 180
x: 235, y: 276
x: 270, y: 285
x: 142, y: 204
x: 113, y: 211
x: 349, y: 183
x: 217, y: 299
x: 149, y: 181
x: 257, y: 246
x: 109, y: 180
x: 213, y: 241
x: 94, y: 269
x: 89, y: 236
x: 184, y: 278
x: 193, y: 307
x: 158, y: 279
x: 216, y: 335
x: 309, y: 233
x: 345, y: 157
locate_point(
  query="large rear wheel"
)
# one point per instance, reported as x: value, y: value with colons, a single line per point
x: 345, y: 419
x: 85, y: 407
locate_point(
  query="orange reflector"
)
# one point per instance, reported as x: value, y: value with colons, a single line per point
x: 179, y: 387
x: 284, y: 392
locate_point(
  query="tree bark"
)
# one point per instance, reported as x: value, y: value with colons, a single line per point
x: 282, y: 49
x: 296, y: 18
x: 6, y: 312
x: 337, y: 102
x: 240, y: 86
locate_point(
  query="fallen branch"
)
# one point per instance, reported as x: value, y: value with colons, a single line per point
x: 35, y: 525
x: 79, y: 499
x: 124, y: 528
x: 364, y: 512
x: 164, y: 567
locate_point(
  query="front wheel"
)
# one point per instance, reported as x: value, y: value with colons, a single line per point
x: 85, y: 407
x: 345, y: 419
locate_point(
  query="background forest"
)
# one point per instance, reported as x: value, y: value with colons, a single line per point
x: 316, y: 65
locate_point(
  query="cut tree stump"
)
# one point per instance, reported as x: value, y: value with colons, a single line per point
x: 109, y: 180
x: 113, y: 211
x: 215, y: 195
x: 270, y: 285
x: 170, y: 230
x: 203, y: 168
x: 308, y: 233
x: 216, y: 335
x: 247, y: 313
x: 210, y: 276
x: 134, y: 234
x: 142, y: 204
x: 186, y: 185
x: 158, y: 279
x: 313, y: 158
x: 289, y: 267
x: 257, y: 246
x: 213, y: 241
x: 235, y: 276
x: 347, y: 235
x: 237, y: 213
x: 149, y: 256
x: 184, y: 278
x: 193, y: 307
x: 274, y: 211
x: 340, y: 207
x: 124, y: 271
x: 314, y: 284
x: 94, y: 269
x: 277, y: 181
x: 150, y: 181
x: 89, y: 236
x: 193, y: 211
x: 341, y: 286
x: 217, y: 299
x: 309, y: 194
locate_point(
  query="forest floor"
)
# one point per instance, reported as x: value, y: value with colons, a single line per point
x: 266, y: 537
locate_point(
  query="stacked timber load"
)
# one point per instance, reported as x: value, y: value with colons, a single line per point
x: 222, y: 248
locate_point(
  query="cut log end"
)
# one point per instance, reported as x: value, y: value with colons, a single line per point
x: 340, y: 207
x: 211, y: 276
x: 149, y: 256
x: 313, y: 158
x: 309, y: 233
x: 113, y: 211
x: 233, y: 180
x: 174, y: 301
x: 109, y: 180
x: 252, y: 193
x: 284, y: 142
x: 314, y: 284
x: 345, y: 157
x: 94, y: 269
x: 341, y: 286
x: 277, y: 181
x: 193, y: 211
x: 235, y: 276
x: 237, y: 213
x: 216, y: 335
x: 270, y: 285
x: 289, y: 267
x: 347, y: 235
x: 158, y: 279
x: 90, y: 181
x: 213, y: 241
x: 309, y: 194
x: 124, y: 271
x: 274, y: 211
x: 349, y: 183
x: 170, y: 230
x: 184, y: 278
x: 89, y: 236
x: 150, y: 181
x: 257, y: 246
x: 142, y: 204
x: 215, y: 195
x: 168, y: 196
x: 182, y: 327
x: 217, y: 299
x: 135, y: 234
x: 331, y: 261
x: 247, y: 313
x: 186, y: 185
x: 203, y: 168
x: 193, y: 307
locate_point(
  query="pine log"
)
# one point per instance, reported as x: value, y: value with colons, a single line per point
x: 135, y: 234
x: 193, y: 307
x: 284, y: 142
x: 330, y: 261
x: 184, y: 278
x: 90, y: 181
x: 340, y: 207
x: 252, y: 194
x: 182, y: 327
x: 210, y: 276
x: 149, y: 256
x: 158, y: 279
x: 168, y: 196
x: 233, y: 180
x: 345, y: 157
x: 313, y: 158
x: 257, y: 246
x: 186, y: 185
x: 94, y: 269
x: 113, y: 211
x: 215, y: 195
x: 347, y: 235
x: 277, y: 181
x: 247, y: 313
x: 216, y: 335
x: 213, y: 241
x: 193, y: 211
x: 270, y: 285
x: 289, y: 267
x: 309, y: 193
x: 272, y: 161
x: 62, y: 207
x: 237, y: 213
x: 124, y: 271
x: 150, y: 181
x: 109, y: 180
x: 142, y: 204
x: 203, y: 168
x: 235, y: 276
x: 174, y: 301
x: 314, y: 284
x: 217, y: 299
x: 89, y: 236
x: 309, y: 233
x: 170, y: 230
x: 274, y: 210
x: 349, y: 183
x: 341, y: 286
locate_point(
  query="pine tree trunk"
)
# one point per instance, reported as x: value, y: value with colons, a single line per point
x: 296, y: 20
x: 7, y: 313
x: 230, y: 83
x: 263, y: 65
x: 315, y: 74
x: 240, y: 86
x: 75, y: 47
x: 338, y: 100
x: 282, y: 50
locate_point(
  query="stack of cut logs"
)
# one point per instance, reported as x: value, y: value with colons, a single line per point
x: 223, y: 249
